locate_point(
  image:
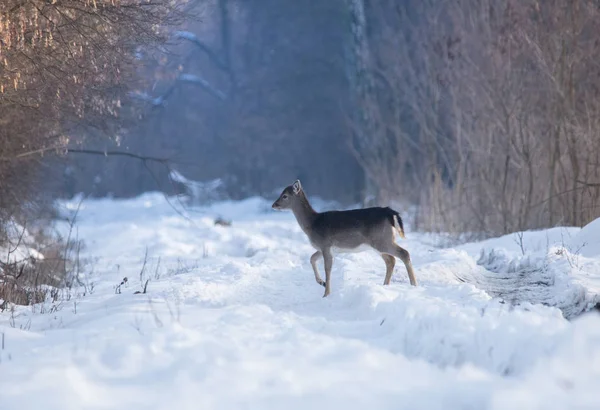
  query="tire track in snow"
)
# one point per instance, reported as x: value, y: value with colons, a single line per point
x: 548, y: 280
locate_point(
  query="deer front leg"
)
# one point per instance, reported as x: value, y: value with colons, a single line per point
x: 328, y: 259
x: 313, y: 261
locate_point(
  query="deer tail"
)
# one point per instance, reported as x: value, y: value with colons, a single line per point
x: 399, y: 225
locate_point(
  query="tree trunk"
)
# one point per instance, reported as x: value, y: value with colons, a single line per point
x: 363, y: 99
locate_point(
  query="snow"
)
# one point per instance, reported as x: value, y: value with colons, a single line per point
x: 195, y: 79
x: 143, y: 96
x: 587, y: 239
x: 233, y: 318
x: 191, y: 78
x: 20, y: 249
x: 187, y: 35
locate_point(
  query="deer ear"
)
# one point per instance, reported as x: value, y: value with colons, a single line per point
x: 297, y: 187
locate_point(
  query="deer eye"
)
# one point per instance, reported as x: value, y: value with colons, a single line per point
x: 284, y: 196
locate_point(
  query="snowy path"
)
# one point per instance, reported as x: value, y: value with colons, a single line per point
x: 233, y: 319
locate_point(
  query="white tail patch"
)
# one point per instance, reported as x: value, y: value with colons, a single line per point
x: 398, y: 228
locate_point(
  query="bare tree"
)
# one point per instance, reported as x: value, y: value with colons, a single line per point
x: 493, y: 105
x: 65, y: 68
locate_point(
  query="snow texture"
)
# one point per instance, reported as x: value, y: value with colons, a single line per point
x: 233, y: 319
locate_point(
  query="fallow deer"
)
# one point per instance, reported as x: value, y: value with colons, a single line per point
x: 346, y: 231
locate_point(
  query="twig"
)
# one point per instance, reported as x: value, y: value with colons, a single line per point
x: 13, y: 250
x: 144, y: 266
x: 71, y: 224
x: 519, y: 242
x: 156, y: 272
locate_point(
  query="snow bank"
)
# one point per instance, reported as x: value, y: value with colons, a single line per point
x: 587, y: 240
x: 541, y: 267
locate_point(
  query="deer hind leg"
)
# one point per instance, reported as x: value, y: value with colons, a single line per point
x: 313, y: 261
x: 328, y: 259
x: 404, y: 256
x: 392, y: 249
x: 390, y: 262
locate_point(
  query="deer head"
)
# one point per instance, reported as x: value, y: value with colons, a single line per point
x: 288, y: 196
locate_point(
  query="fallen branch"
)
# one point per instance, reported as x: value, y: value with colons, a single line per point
x: 583, y: 186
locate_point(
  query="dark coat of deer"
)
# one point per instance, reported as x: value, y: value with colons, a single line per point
x: 346, y: 231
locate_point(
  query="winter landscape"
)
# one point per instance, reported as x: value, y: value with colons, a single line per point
x: 232, y: 318
x: 166, y: 172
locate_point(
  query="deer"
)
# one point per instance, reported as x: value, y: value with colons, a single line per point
x: 346, y: 231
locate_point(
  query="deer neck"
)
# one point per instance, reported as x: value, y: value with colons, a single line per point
x: 304, y: 212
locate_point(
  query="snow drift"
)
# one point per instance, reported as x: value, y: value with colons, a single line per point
x: 234, y: 319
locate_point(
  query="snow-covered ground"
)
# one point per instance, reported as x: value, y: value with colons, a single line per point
x: 233, y: 319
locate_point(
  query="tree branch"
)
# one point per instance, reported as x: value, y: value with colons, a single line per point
x: 166, y: 162
x: 191, y: 37
x: 187, y: 78
x: 118, y: 153
x: 84, y: 151
x: 589, y: 184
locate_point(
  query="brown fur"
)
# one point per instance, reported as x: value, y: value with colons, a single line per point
x: 346, y: 231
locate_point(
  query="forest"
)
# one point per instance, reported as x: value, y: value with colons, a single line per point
x: 481, y: 116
